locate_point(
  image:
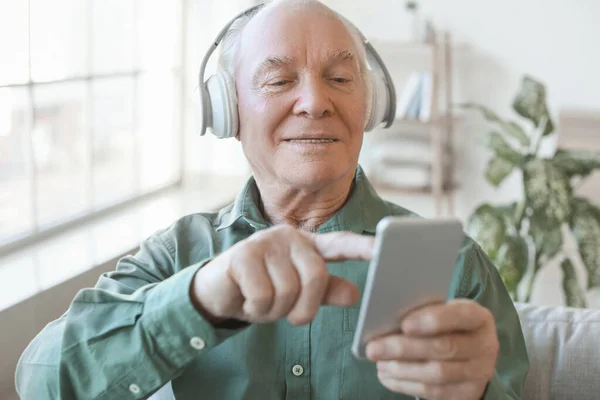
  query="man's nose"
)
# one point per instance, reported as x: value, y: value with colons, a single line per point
x: 314, y: 99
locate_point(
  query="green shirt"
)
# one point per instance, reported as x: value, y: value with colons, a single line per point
x: 137, y: 329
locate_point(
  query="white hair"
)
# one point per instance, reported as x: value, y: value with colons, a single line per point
x: 231, y: 40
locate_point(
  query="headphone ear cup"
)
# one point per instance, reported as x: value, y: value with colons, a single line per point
x: 223, y: 105
x: 379, y: 102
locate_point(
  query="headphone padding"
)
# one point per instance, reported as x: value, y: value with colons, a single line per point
x: 379, y: 102
x: 223, y: 100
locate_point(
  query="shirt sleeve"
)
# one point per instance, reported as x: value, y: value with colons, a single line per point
x: 482, y: 283
x: 125, y: 338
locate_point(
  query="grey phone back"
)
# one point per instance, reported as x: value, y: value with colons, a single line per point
x: 413, y: 265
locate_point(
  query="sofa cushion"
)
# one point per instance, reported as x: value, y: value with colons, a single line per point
x: 564, y: 351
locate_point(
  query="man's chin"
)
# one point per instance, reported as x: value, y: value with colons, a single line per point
x: 315, y: 174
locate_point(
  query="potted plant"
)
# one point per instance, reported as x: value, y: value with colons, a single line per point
x: 524, y: 235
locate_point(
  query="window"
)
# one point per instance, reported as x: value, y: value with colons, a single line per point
x: 89, y: 115
x: 204, y: 155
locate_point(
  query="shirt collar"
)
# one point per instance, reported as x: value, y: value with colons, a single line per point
x: 244, y: 207
x: 361, y: 212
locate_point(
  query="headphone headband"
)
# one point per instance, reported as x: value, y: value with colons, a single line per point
x: 204, y: 95
x: 220, y: 36
x: 207, y: 102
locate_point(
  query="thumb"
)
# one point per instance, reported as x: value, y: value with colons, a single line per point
x: 340, y: 292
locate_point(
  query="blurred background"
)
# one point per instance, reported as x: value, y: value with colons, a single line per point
x: 99, y: 116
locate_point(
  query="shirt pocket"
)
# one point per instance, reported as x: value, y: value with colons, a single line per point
x: 358, y: 378
x: 350, y: 319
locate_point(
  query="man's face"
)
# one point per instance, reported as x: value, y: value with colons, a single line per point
x: 301, y: 97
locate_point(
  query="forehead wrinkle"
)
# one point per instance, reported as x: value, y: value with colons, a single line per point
x: 275, y: 62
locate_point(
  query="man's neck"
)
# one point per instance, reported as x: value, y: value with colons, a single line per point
x: 306, y: 209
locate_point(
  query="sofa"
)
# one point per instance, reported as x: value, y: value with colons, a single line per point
x: 564, y: 351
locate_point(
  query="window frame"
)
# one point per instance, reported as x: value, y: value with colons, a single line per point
x: 38, y: 232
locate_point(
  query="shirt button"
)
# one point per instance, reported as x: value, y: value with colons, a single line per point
x: 197, y: 343
x: 133, y: 388
x: 297, y: 370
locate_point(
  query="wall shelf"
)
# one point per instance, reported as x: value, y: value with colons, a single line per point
x: 434, y: 134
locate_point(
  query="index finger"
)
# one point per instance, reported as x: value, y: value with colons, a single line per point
x: 338, y: 246
x: 459, y: 315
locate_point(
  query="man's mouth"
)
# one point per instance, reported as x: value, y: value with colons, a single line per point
x: 315, y: 141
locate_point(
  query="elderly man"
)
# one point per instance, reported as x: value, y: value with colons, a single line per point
x: 260, y: 300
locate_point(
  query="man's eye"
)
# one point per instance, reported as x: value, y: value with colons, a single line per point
x: 341, y: 80
x: 279, y: 83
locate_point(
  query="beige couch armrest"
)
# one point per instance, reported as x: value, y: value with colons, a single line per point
x: 564, y: 351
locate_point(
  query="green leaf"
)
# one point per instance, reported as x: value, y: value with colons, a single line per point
x: 548, y: 192
x: 512, y: 261
x: 515, y: 130
x: 547, y: 240
x: 509, y: 212
x: 530, y: 103
x: 498, y: 169
x: 585, y: 224
x: 488, y: 114
x: 487, y: 227
x: 577, y: 162
x: 511, y: 128
x: 503, y: 149
x: 574, y: 296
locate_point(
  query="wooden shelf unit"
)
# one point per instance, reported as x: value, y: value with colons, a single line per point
x: 438, y: 131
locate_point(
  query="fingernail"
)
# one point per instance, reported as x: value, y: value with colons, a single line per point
x: 411, y: 324
x: 419, y: 324
x: 374, y: 350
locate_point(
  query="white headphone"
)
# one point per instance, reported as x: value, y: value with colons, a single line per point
x: 219, y: 100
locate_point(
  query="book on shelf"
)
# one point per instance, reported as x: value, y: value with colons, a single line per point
x: 426, y: 96
x: 414, y: 101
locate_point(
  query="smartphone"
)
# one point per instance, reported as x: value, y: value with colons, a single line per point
x: 412, y: 266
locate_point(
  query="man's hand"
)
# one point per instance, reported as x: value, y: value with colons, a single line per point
x: 446, y: 351
x: 279, y: 272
